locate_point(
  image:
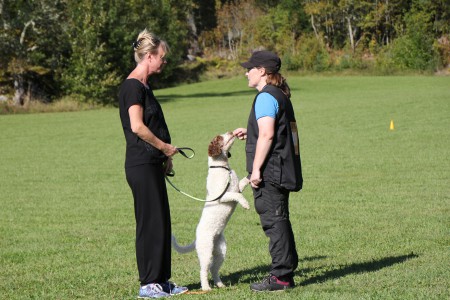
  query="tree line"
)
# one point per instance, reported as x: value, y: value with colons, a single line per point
x: 55, y: 48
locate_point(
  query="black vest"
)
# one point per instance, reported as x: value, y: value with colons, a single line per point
x: 282, y: 165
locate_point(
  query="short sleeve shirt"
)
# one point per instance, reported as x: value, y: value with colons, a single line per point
x: 266, y: 106
x: 133, y: 92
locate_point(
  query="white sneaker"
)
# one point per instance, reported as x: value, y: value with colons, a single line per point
x: 152, y: 290
x: 173, y: 289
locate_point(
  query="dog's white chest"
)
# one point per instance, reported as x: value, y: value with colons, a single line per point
x: 219, y: 181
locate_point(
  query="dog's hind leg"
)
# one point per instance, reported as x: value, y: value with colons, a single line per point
x: 204, y: 248
x: 220, y: 250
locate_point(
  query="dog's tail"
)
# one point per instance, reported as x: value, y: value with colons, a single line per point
x: 181, y: 249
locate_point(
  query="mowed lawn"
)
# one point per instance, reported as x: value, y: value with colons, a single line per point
x: 372, y: 221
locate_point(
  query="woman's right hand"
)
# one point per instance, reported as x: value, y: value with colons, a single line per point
x: 240, y: 133
x: 169, y: 150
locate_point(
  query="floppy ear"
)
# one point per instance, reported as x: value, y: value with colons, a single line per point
x: 215, y: 147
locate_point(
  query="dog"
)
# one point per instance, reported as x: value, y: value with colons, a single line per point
x: 224, y: 192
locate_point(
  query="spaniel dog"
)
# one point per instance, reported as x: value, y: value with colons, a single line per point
x: 224, y: 192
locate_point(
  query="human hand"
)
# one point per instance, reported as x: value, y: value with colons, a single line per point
x: 255, y: 179
x: 169, y: 150
x: 240, y: 133
x: 168, y: 166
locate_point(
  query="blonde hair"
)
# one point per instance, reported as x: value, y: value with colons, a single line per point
x: 147, y: 42
x: 279, y: 81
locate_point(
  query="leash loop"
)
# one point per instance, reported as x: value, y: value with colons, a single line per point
x: 182, y: 150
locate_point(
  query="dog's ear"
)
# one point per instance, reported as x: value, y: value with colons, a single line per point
x: 215, y: 147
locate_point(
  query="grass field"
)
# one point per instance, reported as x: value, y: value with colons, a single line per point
x: 372, y: 221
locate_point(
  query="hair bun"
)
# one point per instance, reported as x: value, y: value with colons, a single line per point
x: 136, y: 44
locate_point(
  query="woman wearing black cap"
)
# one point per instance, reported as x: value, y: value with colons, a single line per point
x: 273, y: 164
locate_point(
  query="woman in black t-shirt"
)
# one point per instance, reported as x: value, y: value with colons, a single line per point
x: 147, y: 160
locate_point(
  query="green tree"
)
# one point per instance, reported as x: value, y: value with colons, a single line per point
x: 32, y: 47
x: 414, y: 49
x: 236, y: 28
x: 101, y: 34
x: 89, y: 75
x: 439, y: 12
x: 274, y: 31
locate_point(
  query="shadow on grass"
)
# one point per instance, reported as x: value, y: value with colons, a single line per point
x: 251, y: 93
x: 249, y: 275
x: 256, y: 273
x: 370, y: 266
x: 162, y: 98
x: 244, y: 276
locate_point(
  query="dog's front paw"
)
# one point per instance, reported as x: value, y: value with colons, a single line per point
x: 243, y: 183
x: 245, y: 204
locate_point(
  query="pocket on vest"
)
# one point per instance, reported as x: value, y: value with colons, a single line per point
x: 274, y: 167
x: 250, y: 156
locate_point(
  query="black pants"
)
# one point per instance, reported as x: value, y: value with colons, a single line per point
x: 153, y: 227
x: 272, y: 205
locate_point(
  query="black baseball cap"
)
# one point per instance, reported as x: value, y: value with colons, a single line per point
x: 266, y: 59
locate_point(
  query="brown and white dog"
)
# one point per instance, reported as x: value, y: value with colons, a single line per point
x: 224, y: 191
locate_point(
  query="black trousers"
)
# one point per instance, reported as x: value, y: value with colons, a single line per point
x: 153, y: 227
x: 272, y: 205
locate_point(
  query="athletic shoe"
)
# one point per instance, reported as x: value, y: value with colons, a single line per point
x: 173, y: 289
x: 152, y: 290
x: 272, y: 283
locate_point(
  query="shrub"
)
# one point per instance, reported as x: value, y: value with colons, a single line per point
x: 291, y: 62
x: 442, y: 46
x: 311, y: 55
x: 414, y: 50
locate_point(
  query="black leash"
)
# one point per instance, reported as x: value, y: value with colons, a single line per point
x: 182, y: 150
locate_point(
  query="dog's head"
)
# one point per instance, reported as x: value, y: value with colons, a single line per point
x: 221, y: 145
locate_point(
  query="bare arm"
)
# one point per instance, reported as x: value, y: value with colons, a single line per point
x: 136, y: 113
x: 265, y: 137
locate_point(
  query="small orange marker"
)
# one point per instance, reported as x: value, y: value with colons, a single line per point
x: 391, y: 127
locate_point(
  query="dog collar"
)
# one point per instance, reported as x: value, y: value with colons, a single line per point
x: 223, y: 167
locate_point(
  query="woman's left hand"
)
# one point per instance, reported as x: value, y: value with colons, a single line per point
x: 168, y: 166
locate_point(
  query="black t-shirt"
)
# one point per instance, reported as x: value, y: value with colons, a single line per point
x: 138, y: 152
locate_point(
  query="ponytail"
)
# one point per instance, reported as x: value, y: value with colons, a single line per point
x: 279, y: 81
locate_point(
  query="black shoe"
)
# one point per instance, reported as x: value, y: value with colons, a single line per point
x: 272, y: 283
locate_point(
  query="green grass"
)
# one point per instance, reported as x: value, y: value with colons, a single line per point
x: 372, y: 221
